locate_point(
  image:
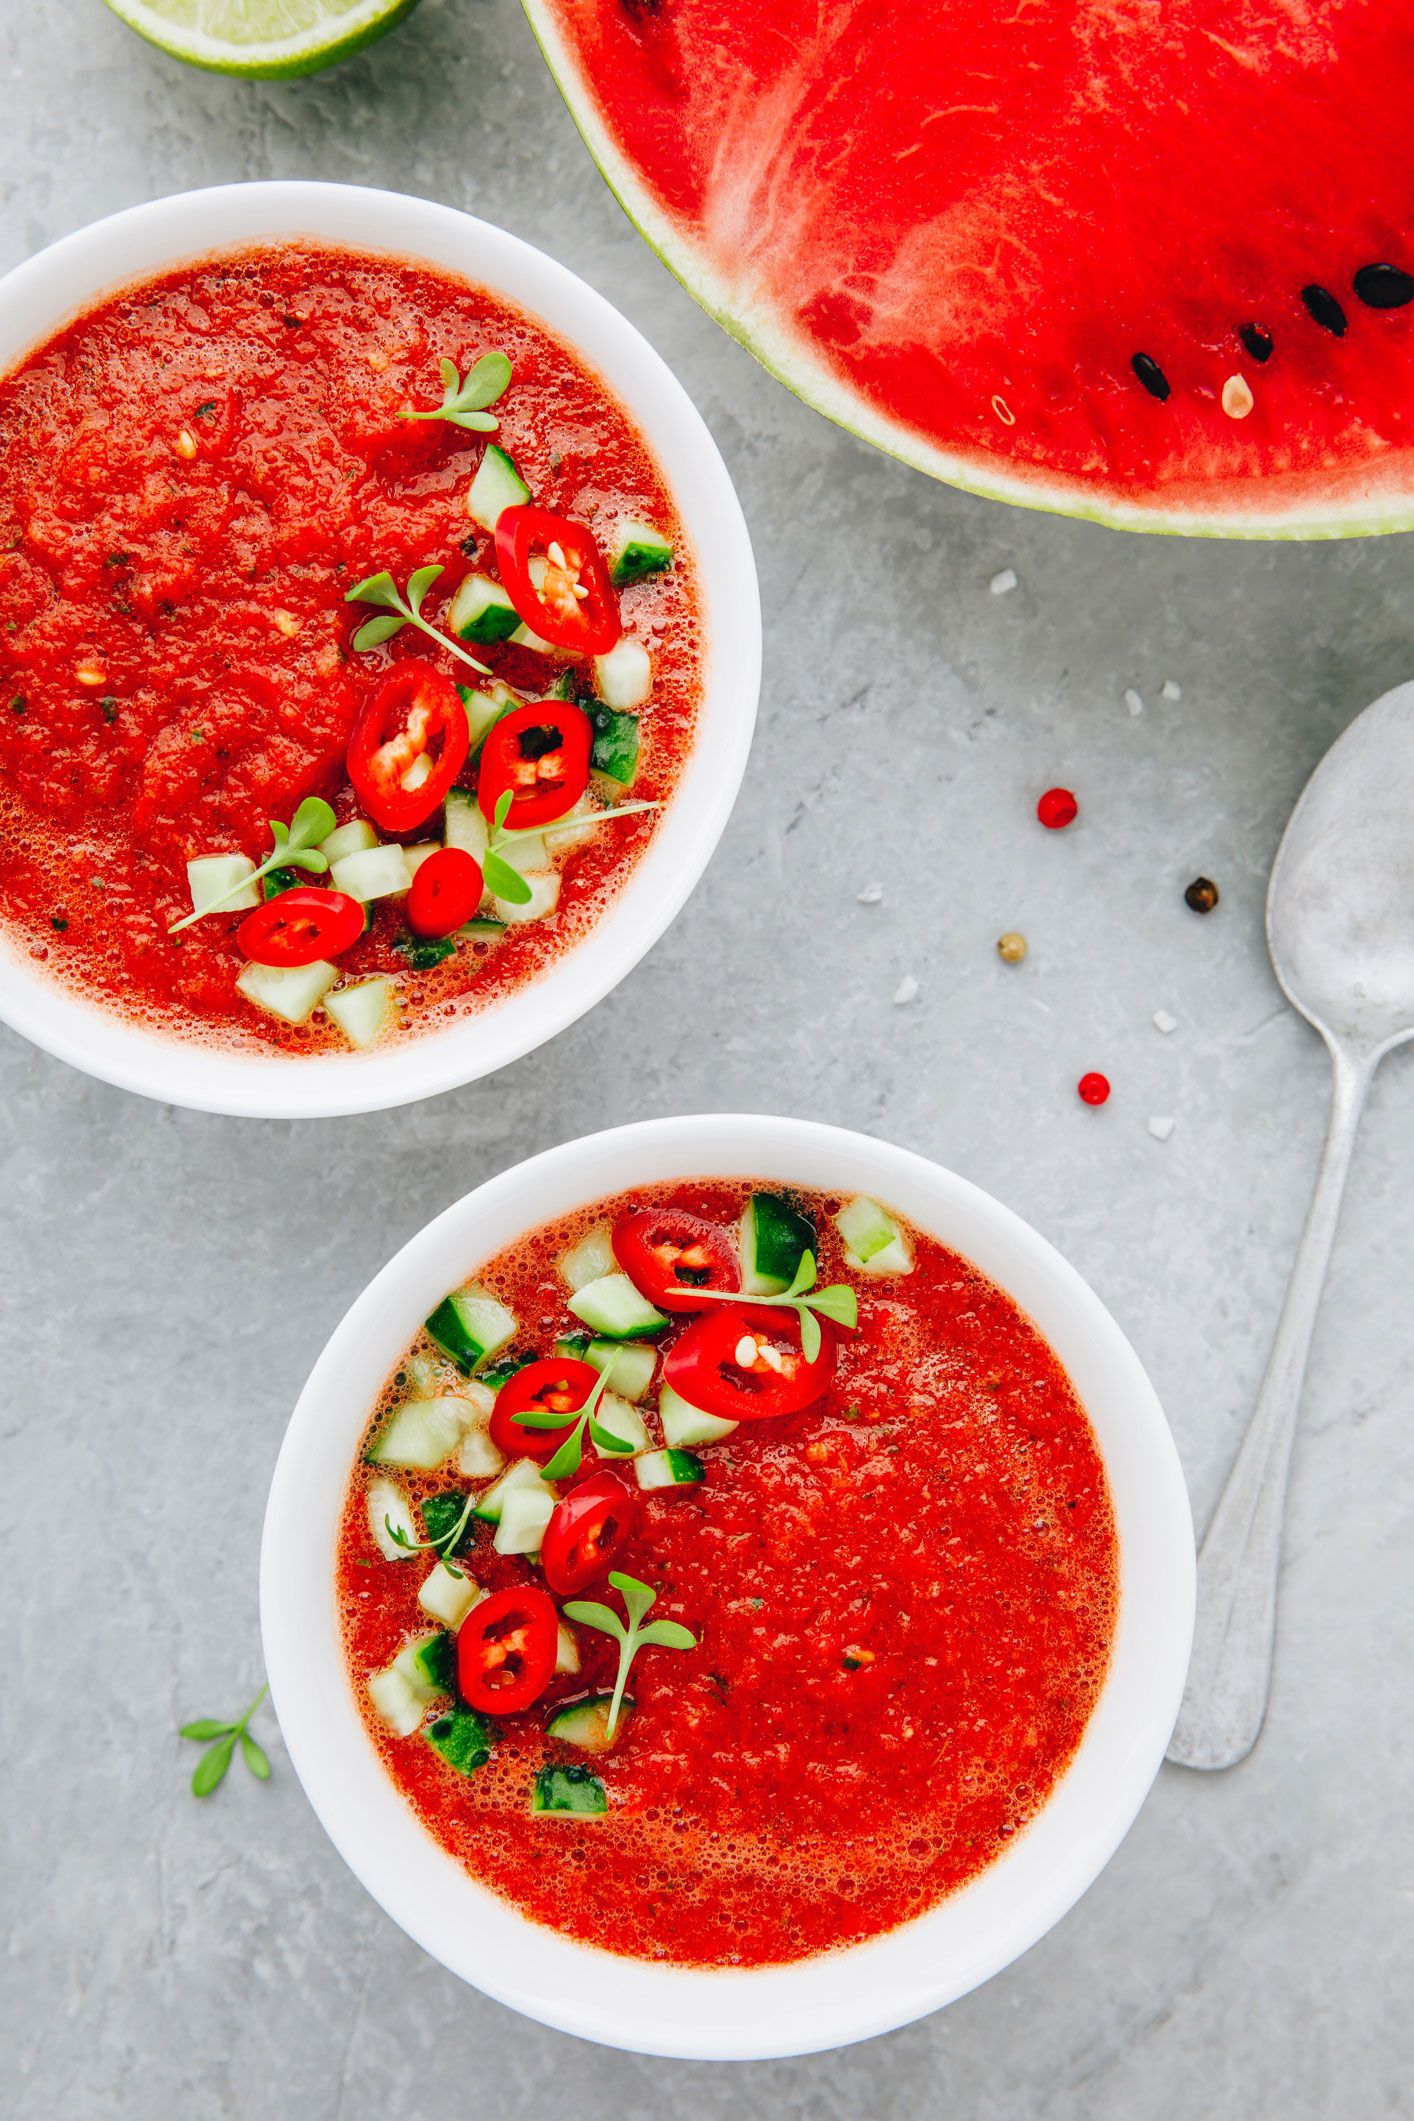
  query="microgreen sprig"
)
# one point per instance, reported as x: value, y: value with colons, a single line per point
x: 637, y: 1598
x: 399, y: 611
x: 464, y: 402
x: 838, y: 1303
x: 296, y: 847
x: 220, y: 1740
x: 570, y: 1456
x: 505, y: 881
x: 444, y: 1546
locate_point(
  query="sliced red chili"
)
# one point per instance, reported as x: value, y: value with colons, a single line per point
x: 446, y: 892
x: 414, y: 717
x: 747, y: 1364
x: 540, y: 752
x: 553, y: 1386
x: 506, y: 1650
x: 554, y: 574
x: 585, y: 1532
x: 669, y: 1257
x: 300, y: 926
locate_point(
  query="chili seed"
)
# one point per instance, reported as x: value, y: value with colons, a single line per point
x: 1323, y: 308
x: 1150, y: 375
x: 1201, y: 895
x: 1093, y: 1089
x: 1011, y: 947
x: 1057, y: 808
x: 1257, y: 342
x: 1384, y: 286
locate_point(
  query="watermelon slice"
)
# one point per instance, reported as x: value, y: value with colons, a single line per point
x: 1145, y: 260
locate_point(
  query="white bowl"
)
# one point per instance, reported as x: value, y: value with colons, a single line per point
x: 843, y: 1995
x: 43, y: 294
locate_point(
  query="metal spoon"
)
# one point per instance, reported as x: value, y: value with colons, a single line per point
x: 1340, y: 928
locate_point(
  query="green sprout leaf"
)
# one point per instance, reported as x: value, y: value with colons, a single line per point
x: 570, y: 1456
x: 444, y: 1545
x: 210, y: 1770
x: 296, y: 847
x: 382, y: 591
x: 464, y: 401
x: 639, y: 1599
x: 838, y: 1302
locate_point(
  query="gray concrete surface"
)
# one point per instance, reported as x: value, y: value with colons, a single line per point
x: 170, y: 1277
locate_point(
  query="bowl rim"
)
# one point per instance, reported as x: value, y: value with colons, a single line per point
x: 838, y: 1997
x: 60, y: 282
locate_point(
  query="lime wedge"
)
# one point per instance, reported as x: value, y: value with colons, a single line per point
x: 265, y: 37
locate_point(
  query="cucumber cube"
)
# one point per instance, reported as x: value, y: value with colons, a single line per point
x: 612, y: 1306
x: 624, y: 677
x: 524, y: 1516
x: 291, y: 992
x: 638, y: 550
x: 544, y: 896
x: 623, y: 1421
x: 497, y: 485
x: 397, y: 1701
x: 634, y: 1365
x: 389, y: 1506
x: 372, y: 872
x: 354, y: 838
x: 470, y: 1326
x: 773, y: 1236
x: 668, y: 1469
x: 363, y: 1010
x: 573, y: 1789
x: 211, y: 876
x: 449, y: 1598
x: 464, y: 1739
x: 592, y: 1257
x: 485, y: 705
x: 523, y: 1474
x: 873, y: 1240
x: 421, y: 1433
x: 684, y: 1425
x: 481, y: 611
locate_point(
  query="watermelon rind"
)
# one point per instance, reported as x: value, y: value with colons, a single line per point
x: 808, y: 378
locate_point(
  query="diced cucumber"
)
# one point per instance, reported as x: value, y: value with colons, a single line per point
x: 465, y: 1740
x: 544, y: 897
x: 873, y: 1240
x: 524, y: 1516
x: 291, y: 992
x: 470, y: 1326
x: 421, y: 1433
x: 624, y: 677
x: 773, y: 1236
x: 421, y: 952
x: 484, y: 706
x: 464, y: 825
x: 388, y: 1505
x: 634, y: 1364
x: 586, y: 1723
x: 622, y: 1420
x: 420, y: 1376
x: 424, y: 1664
x: 441, y: 1514
x: 211, y: 876
x: 684, y: 1425
x: 592, y: 1257
x: 481, y: 611
x: 477, y: 1457
x: 449, y: 1598
x: 373, y: 872
x: 363, y: 1010
x: 612, y: 1306
x: 401, y: 1705
x: 638, y: 549
x: 576, y: 825
x: 354, y: 838
x: 521, y: 1477
x: 668, y: 1469
x: 566, y: 1651
x: 416, y: 856
x: 616, y: 742
x: 497, y: 485
x: 569, y: 1789
x: 275, y: 881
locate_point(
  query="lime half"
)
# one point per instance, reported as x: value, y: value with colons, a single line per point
x: 265, y: 37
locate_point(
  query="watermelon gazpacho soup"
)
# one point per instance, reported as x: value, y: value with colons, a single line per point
x: 352, y: 648
x: 727, y: 1573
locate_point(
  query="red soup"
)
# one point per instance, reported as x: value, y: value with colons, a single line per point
x: 318, y: 567
x: 727, y: 1574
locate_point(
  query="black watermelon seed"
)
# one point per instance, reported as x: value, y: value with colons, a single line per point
x: 1323, y: 307
x: 1257, y: 341
x: 1384, y: 286
x: 1150, y: 375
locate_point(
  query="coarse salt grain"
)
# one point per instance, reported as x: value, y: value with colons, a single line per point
x: 1001, y: 583
x: 1161, y: 1129
x: 906, y: 989
x: 1164, y: 1022
x: 1133, y: 702
x: 1172, y: 691
x: 871, y: 895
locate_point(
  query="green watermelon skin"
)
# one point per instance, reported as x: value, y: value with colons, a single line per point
x: 954, y: 227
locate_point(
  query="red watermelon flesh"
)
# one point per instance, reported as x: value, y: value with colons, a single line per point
x: 991, y: 234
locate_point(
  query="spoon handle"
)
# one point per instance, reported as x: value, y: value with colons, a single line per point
x: 1225, y: 1699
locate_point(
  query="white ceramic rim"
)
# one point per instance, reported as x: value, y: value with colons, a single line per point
x: 45, y: 292
x: 841, y: 1996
